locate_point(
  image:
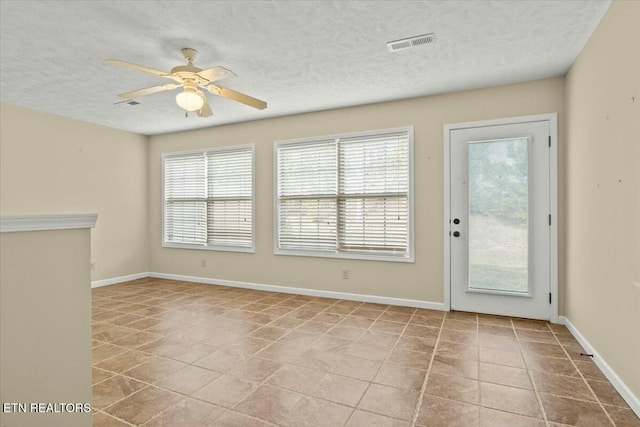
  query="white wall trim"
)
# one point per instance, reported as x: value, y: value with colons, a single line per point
x: 446, y: 268
x: 555, y: 219
x: 114, y: 280
x: 304, y: 291
x: 632, y: 400
x: 17, y: 223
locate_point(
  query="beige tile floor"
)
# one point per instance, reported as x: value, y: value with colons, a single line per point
x: 169, y: 353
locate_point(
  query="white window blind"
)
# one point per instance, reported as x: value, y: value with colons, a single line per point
x: 345, y: 195
x: 307, y: 191
x: 208, y: 198
x: 374, y: 193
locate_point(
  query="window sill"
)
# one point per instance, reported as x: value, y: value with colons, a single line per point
x: 251, y: 250
x: 343, y: 255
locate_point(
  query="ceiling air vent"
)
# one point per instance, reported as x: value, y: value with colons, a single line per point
x: 397, y: 45
x: 128, y: 101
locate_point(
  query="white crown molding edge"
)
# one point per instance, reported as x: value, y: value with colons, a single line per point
x: 120, y: 279
x: 304, y: 291
x: 632, y: 400
x: 19, y: 223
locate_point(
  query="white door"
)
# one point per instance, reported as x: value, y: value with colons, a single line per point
x: 499, y: 225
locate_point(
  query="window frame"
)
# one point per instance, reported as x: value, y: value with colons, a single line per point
x: 410, y: 255
x: 205, y: 247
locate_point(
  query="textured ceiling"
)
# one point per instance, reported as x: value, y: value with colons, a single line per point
x: 299, y: 56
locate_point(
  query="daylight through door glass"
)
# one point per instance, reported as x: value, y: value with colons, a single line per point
x: 498, y: 215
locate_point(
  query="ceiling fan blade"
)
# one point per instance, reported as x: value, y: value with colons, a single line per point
x: 216, y: 73
x: 138, y: 67
x: 205, y: 111
x: 237, y: 96
x: 149, y: 90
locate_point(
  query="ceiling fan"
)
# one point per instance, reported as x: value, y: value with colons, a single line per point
x: 192, y: 79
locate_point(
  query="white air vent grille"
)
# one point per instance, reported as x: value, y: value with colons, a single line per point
x: 411, y: 42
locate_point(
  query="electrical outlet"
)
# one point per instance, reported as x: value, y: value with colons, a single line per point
x: 203, y: 263
x: 93, y: 266
x: 345, y: 273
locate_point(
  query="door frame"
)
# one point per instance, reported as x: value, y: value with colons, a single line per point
x: 552, y: 119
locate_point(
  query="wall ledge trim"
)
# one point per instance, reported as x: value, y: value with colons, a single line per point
x: 632, y: 400
x: 120, y: 279
x: 305, y: 291
x: 18, y: 223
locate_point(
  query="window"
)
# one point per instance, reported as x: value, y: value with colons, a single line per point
x: 208, y: 199
x: 347, y: 196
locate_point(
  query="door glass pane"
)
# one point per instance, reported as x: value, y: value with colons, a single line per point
x: 498, y: 215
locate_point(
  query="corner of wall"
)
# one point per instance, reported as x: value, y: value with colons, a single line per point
x: 147, y: 186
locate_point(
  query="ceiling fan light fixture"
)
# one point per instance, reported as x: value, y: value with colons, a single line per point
x: 190, y: 99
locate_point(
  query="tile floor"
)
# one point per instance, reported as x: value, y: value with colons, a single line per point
x: 169, y: 353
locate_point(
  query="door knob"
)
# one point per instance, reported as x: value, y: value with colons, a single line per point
x: 456, y: 234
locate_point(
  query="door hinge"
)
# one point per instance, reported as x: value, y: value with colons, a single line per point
x: 549, y: 219
x: 549, y: 140
x: 549, y: 297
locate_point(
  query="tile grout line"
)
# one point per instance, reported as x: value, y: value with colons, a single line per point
x: 583, y: 378
x: 368, y: 329
x: 110, y: 416
x: 426, y: 376
x: 227, y: 410
x: 182, y: 394
x: 126, y: 397
x: 526, y: 368
x: 263, y: 382
x: 277, y: 370
x: 371, y: 381
x: 381, y: 364
x: 159, y: 387
x: 533, y: 384
x: 373, y: 376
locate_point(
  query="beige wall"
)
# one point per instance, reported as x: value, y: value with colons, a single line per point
x: 54, y: 165
x: 602, y: 166
x: 422, y: 280
x: 45, y: 324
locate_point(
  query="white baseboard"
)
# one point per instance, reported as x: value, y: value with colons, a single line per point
x: 305, y: 291
x: 114, y: 280
x: 632, y: 400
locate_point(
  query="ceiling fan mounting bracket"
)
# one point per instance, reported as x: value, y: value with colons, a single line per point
x: 189, y: 53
